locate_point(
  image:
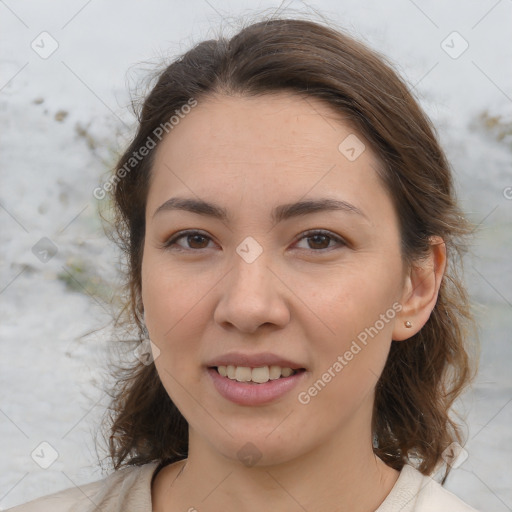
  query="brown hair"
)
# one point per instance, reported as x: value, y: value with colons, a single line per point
x: 424, y: 374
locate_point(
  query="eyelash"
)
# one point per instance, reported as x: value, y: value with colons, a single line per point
x: 307, y: 234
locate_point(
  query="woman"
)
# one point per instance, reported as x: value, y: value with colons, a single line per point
x: 293, y: 243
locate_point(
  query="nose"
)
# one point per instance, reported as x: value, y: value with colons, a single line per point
x: 252, y: 296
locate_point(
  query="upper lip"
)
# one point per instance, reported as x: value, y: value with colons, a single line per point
x: 253, y: 360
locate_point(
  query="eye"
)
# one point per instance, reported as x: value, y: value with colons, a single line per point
x: 321, y: 239
x: 193, y: 239
x: 196, y: 240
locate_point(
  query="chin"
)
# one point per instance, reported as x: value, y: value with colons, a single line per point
x: 256, y: 447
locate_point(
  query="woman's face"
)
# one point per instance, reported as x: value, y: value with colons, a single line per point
x: 272, y: 284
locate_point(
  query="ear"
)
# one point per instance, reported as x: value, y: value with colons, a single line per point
x: 421, y: 290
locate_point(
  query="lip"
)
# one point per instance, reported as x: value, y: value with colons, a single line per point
x: 254, y: 360
x: 244, y: 393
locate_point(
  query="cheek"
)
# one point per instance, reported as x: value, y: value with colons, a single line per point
x: 348, y: 363
x: 350, y: 299
x: 355, y: 322
x: 174, y: 315
x: 174, y: 320
x: 169, y: 297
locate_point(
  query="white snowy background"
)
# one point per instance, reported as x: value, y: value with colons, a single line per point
x: 63, y: 117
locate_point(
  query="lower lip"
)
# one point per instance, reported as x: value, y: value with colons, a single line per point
x: 244, y: 393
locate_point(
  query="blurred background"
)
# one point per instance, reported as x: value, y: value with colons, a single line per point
x: 66, y: 71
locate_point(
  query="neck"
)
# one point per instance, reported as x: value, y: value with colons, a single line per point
x: 338, y: 475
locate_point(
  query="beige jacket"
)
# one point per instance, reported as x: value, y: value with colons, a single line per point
x: 129, y: 490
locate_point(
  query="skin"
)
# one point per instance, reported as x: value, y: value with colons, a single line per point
x: 306, y: 299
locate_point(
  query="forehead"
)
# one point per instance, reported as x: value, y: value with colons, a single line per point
x: 269, y: 128
x: 263, y: 150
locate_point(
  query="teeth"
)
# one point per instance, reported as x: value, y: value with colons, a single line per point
x: 258, y: 375
x: 275, y: 372
x: 243, y: 374
x: 286, y: 372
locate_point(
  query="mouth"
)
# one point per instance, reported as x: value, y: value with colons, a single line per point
x: 258, y: 375
x: 255, y: 386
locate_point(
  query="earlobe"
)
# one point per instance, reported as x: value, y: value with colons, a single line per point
x: 421, y: 291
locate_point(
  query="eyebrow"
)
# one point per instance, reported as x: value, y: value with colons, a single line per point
x: 279, y: 213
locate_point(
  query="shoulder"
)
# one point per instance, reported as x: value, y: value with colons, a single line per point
x: 63, y: 501
x: 131, y: 484
x: 433, y: 497
x: 415, y: 492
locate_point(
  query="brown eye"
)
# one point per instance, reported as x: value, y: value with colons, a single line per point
x: 321, y: 240
x: 194, y: 240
